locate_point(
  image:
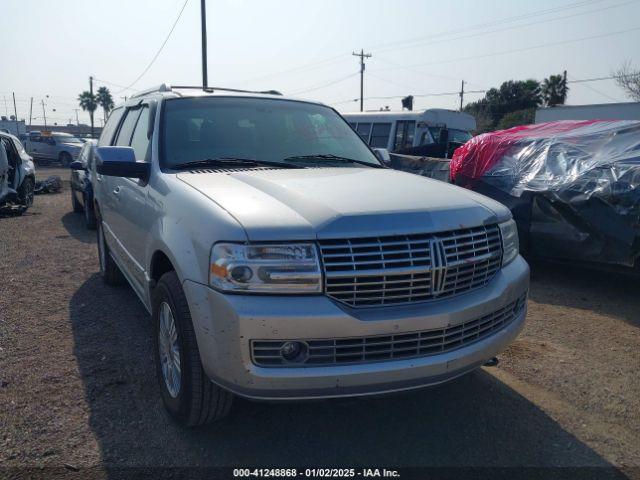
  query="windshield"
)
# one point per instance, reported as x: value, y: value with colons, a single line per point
x: 260, y: 129
x: 66, y: 139
x: 455, y: 135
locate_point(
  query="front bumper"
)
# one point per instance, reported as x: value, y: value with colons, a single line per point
x: 226, y: 324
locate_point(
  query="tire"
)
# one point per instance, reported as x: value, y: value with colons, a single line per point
x: 110, y: 272
x: 25, y: 193
x: 77, y: 208
x: 191, y: 398
x: 65, y: 159
x: 89, y: 214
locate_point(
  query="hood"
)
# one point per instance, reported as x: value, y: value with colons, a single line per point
x: 314, y: 203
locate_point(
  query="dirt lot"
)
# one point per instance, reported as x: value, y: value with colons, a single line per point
x: 77, y: 385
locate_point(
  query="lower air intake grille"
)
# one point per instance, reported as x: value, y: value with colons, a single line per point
x: 340, y: 351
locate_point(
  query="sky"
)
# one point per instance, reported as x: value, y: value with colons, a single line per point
x: 304, y: 48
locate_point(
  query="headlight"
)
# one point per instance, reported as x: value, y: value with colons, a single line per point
x: 510, y: 245
x: 266, y: 268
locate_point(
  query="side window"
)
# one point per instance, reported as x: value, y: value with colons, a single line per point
x: 380, y: 135
x: 405, y: 131
x: 139, y: 141
x: 110, y: 128
x: 126, y: 129
x: 364, y: 130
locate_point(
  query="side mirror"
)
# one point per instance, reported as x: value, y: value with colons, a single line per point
x: 121, y: 162
x: 383, y: 155
x: 76, y: 165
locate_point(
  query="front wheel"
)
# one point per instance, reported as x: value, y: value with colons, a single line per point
x: 187, y: 393
x: 25, y: 193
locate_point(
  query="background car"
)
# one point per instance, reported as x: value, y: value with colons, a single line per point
x: 17, y: 174
x: 81, y: 187
x: 53, y: 146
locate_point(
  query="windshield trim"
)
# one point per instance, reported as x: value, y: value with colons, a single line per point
x: 161, y: 127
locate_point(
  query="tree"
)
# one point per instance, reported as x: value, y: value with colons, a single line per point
x: 88, y: 103
x: 519, y: 117
x: 554, y: 90
x: 105, y: 100
x: 629, y: 80
x: 512, y: 96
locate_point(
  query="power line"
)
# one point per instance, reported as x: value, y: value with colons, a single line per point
x: 487, y: 24
x: 158, y: 52
x: 534, y: 47
x: 328, y: 84
x: 504, y: 29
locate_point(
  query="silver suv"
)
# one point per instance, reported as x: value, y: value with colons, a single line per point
x: 279, y: 258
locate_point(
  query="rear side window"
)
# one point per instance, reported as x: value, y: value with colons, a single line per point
x: 405, y: 131
x: 380, y: 135
x: 126, y: 129
x: 364, y: 129
x: 140, y: 141
x: 110, y: 127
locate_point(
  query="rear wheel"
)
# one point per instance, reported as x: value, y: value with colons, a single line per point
x: 77, y: 208
x: 89, y: 214
x: 65, y: 159
x: 109, y: 271
x: 187, y: 393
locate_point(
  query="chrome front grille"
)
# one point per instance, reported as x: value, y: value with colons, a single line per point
x: 363, y: 272
x: 340, y: 351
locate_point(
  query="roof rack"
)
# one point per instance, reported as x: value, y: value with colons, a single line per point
x: 168, y: 88
x: 212, y: 89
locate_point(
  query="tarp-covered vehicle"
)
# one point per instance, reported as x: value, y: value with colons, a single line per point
x: 572, y: 186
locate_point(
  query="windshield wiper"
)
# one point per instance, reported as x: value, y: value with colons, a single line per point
x: 232, y: 161
x: 337, y: 158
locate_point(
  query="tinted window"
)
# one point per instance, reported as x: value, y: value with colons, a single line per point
x: 364, y: 129
x: 380, y: 135
x: 140, y: 142
x: 110, y: 128
x: 263, y: 129
x: 405, y: 131
x: 126, y: 129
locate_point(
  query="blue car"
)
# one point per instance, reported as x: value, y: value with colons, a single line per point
x: 81, y: 187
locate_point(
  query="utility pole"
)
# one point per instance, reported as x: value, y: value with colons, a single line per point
x: 77, y: 121
x: 91, y: 111
x: 30, y: 112
x: 15, y: 113
x: 203, y: 21
x: 362, y: 56
x: 44, y: 114
x: 461, y: 95
x: 6, y: 111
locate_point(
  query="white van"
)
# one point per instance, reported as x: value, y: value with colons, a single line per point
x: 434, y: 132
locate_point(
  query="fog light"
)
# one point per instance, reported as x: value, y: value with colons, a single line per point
x: 294, y: 351
x: 241, y: 274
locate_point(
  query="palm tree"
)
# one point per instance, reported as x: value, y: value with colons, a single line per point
x: 88, y: 103
x: 105, y: 100
x: 554, y: 90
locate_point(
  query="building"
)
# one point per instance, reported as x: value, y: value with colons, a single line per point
x: 602, y: 111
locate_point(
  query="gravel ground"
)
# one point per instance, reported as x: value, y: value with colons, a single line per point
x: 77, y: 385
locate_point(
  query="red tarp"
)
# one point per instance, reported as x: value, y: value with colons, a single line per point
x: 482, y: 152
